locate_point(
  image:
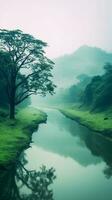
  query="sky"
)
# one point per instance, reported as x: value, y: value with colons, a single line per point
x: 64, y: 24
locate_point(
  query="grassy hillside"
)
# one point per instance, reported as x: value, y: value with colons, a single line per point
x: 16, y: 135
x: 100, y: 122
x: 95, y: 106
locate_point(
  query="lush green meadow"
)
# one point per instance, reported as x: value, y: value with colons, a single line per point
x: 97, y: 121
x: 15, y: 135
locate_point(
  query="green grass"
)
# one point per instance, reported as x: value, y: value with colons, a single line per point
x: 94, y: 121
x: 15, y: 135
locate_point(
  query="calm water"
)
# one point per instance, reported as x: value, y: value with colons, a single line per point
x: 82, y: 159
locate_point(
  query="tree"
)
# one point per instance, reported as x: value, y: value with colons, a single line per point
x: 19, y: 183
x: 3, y: 97
x: 24, y: 67
x: 108, y: 68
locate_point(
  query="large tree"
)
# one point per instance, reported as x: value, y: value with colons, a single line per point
x: 24, y: 67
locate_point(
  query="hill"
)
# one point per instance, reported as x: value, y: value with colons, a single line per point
x: 87, y: 60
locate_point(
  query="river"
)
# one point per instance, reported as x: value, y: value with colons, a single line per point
x: 82, y: 159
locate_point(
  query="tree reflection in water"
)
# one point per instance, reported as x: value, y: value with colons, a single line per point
x: 108, y: 171
x: 18, y: 183
x: 98, y: 145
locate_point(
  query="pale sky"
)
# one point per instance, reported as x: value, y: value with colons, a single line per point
x: 64, y: 24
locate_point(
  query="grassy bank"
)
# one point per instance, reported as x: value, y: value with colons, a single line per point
x: 100, y: 122
x: 16, y: 135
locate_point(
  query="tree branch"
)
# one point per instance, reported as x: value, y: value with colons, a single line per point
x: 23, y: 62
x: 25, y: 79
x: 19, y: 101
x: 22, y: 94
x: 24, y: 182
x: 18, y: 57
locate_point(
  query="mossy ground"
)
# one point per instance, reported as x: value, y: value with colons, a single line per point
x: 99, y: 121
x: 16, y: 134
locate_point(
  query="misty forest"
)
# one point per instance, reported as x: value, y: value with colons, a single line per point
x: 56, y: 100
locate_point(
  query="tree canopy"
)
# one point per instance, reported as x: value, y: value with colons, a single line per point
x: 97, y: 94
x: 24, y: 67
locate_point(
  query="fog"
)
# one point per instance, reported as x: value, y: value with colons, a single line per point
x: 64, y: 24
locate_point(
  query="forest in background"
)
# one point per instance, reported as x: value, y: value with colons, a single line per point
x: 83, y: 78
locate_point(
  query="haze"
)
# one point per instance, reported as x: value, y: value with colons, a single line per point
x: 64, y: 24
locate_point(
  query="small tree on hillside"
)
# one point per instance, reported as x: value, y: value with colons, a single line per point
x: 24, y: 67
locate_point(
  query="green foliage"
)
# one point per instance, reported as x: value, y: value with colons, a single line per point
x: 4, y: 98
x: 95, y: 109
x: 74, y: 93
x: 90, y: 90
x: 15, y: 134
x: 25, y: 68
x: 98, y: 93
x: 94, y: 121
x: 26, y: 52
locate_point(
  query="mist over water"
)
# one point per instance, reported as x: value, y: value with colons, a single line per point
x: 79, y: 157
x: 79, y: 38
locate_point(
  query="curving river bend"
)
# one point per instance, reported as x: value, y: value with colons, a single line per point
x: 82, y: 159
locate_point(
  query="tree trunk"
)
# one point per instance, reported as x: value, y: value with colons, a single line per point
x: 12, y: 110
x: 12, y: 96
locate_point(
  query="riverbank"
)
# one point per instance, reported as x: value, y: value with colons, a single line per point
x: 99, y: 122
x: 15, y: 135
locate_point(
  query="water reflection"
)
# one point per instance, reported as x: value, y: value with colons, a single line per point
x: 99, y: 146
x: 78, y: 155
x: 68, y: 138
x: 18, y: 183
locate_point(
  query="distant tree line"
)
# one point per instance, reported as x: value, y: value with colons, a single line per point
x: 93, y: 92
x: 98, y: 93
